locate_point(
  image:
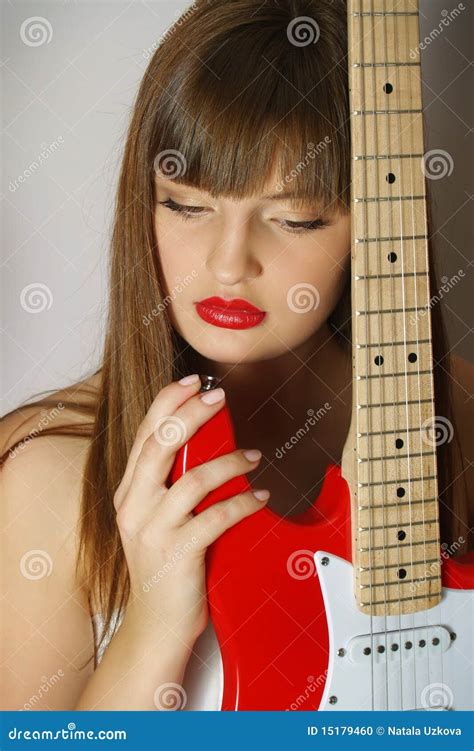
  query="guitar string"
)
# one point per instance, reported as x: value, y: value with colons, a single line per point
x: 360, y: 35
x: 393, y: 360
x: 379, y: 323
x: 407, y: 439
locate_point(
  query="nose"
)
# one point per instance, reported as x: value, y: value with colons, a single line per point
x: 232, y: 260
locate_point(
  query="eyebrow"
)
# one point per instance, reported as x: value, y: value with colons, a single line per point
x: 281, y: 196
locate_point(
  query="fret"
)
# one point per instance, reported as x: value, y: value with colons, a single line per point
x: 402, y: 274
x: 383, y: 65
x: 401, y: 599
x: 398, y: 565
x: 388, y: 198
x: 393, y: 375
x: 396, y: 503
x: 391, y: 404
x: 406, y: 522
x: 387, y: 432
x: 389, y: 239
x: 425, y: 478
x: 387, y: 156
x: 384, y: 311
x: 387, y: 112
x: 372, y: 585
x: 424, y: 454
x: 385, y: 13
x: 394, y: 344
x: 399, y: 545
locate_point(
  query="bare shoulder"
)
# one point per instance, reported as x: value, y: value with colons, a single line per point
x: 45, y: 619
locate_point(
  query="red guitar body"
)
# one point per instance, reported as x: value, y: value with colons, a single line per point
x: 264, y: 595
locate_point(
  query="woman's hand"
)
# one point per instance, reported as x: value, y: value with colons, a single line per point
x: 164, y: 543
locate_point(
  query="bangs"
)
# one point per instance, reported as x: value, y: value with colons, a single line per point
x: 250, y: 105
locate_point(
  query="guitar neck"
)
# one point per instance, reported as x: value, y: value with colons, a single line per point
x: 391, y: 467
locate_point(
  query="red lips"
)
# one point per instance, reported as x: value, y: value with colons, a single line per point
x: 233, y: 314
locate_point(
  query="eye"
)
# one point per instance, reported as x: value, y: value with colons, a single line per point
x: 185, y: 211
x: 303, y: 226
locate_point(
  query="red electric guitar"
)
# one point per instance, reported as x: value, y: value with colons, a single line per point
x: 355, y: 604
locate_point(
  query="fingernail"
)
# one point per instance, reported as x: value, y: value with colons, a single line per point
x: 252, y: 455
x: 212, y: 396
x: 261, y: 495
x: 187, y: 380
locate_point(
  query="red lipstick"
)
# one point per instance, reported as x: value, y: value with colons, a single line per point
x: 229, y: 314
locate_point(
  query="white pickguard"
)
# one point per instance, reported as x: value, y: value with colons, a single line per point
x: 430, y: 677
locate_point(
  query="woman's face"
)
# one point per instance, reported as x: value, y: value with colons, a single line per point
x: 256, y: 249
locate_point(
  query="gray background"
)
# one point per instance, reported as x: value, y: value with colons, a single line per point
x: 71, y: 98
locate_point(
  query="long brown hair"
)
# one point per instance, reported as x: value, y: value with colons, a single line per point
x: 226, y: 92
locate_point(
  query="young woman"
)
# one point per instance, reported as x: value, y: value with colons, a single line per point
x: 235, y: 184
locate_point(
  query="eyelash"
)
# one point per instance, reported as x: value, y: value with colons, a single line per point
x: 296, y: 227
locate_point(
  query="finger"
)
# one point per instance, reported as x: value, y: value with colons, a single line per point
x: 165, y: 403
x: 207, y: 526
x: 197, y: 482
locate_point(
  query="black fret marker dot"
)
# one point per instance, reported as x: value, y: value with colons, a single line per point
x: 399, y: 443
x: 392, y: 257
x: 412, y: 357
x: 388, y: 88
x: 401, y: 535
x: 400, y: 492
x: 402, y: 573
x: 378, y: 360
x: 390, y: 178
